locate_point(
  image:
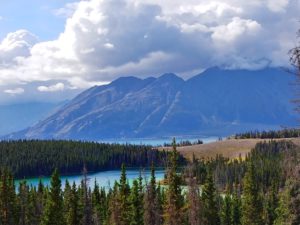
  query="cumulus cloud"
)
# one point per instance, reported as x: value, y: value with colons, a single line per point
x: 15, y: 45
x: 52, y: 88
x: 15, y: 91
x: 106, y: 39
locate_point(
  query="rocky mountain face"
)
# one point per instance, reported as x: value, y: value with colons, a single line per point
x: 215, y: 102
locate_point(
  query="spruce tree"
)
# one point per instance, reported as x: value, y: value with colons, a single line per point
x: 53, y: 213
x: 124, y: 192
x: 271, y: 204
x: 152, y: 203
x: 210, y: 204
x: 24, y: 205
x: 194, y: 203
x: 252, y: 209
x: 173, y: 210
x: 136, y: 205
x: 236, y: 208
x: 8, y: 200
x: 226, y: 213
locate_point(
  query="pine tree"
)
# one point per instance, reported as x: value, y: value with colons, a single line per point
x: 283, y: 214
x: 194, y: 204
x: 226, y: 215
x: 210, y: 204
x: 152, y: 204
x: 72, y: 208
x: 236, y: 208
x: 252, y: 209
x: 136, y: 205
x: 53, y: 213
x: 87, y: 218
x: 272, y: 203
x: 24, y: 204
x: 8, y: 204
x: 124, y: 198
x: 173, y: 210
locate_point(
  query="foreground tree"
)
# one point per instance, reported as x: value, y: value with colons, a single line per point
x: 210, y: 203
x: 54, y: 213
x: 252, y: 208
x: 173, y: 210
x: 194, y: 203
x: 152, y: 212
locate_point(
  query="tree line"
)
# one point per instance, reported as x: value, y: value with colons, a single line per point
x: 28, y: 158
x: 285, y: 133
x: 240, y: 192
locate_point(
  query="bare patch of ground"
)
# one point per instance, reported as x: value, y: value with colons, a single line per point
x: 231, y: 148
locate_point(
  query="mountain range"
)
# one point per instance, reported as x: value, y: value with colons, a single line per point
x: 216, y: 102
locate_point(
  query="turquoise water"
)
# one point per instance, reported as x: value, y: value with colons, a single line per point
x: 104, y: 179
x: 159, y: 141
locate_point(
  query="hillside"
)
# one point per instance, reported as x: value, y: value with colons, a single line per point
x: 216, y: 102
x: 231, y: 148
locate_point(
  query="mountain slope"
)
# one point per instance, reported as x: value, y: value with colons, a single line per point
x: 216, y: 102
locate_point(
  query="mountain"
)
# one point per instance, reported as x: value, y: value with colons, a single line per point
x: 215, y: 102
x: 18, y: 116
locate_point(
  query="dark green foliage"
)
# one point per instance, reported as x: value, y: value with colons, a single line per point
x: 53, y: 213
x: 285, y: 133
x: 263, y: 189
x: 173, y: 209
x: 226, y: 213
x: 39, y: 158
x: 210, y: 202
x: 252, y: 208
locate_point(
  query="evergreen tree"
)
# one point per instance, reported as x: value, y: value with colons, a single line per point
x: 152, y: 203
x: 226, y: 213
x: 236, y: 208
x: 194, y: 204
x: 24, y: 205
x: 72, y: 208
x: 210, y: 204
x: 8, y: 202
x: 124, y: 198
x: 173, y: 210
x: 53, y: 213
x: 272, y: 203
x: 252, y: 209
x: 136, y: 203
x: 87, y: 218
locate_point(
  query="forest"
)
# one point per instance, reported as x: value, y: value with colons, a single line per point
x: 261, y: 189
x: 29, y: 158
x: 285, y: 133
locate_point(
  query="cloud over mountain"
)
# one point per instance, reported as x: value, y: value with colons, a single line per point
x: 105, y: 39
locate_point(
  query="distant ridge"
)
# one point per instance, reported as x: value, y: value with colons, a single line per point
x: 215, y: 102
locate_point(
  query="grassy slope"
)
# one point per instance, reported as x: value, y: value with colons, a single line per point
x: 229, y: 148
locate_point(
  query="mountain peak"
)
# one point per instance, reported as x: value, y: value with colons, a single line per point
x: 169, y: 76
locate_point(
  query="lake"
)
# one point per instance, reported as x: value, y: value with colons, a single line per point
x: 105, y: 178
x: 159, y: 141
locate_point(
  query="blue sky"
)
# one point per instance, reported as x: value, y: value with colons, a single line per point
x: 34, y: 15
x: 53, y: 49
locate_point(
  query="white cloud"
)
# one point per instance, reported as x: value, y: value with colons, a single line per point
x: 66, y: 11
x: 109, y: 45
x: 106, y: 39
x: 15, y: 91
x: 52, y: 88
x: 277, y: 5
x: 236, y: 28
x: 16, y: 44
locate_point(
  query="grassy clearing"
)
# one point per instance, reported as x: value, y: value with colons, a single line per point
x: 230, y: 148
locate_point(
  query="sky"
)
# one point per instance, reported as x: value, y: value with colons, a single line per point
x: 53, y: 49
